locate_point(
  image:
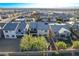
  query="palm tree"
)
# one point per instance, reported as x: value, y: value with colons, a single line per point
x: 51, y: 35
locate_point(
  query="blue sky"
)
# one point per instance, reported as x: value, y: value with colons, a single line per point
x: 14, y: 5
x: 39, y: 5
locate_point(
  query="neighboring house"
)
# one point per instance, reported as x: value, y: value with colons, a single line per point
x: 75, y: 29
x: 59, y: 29
x: 33, y: 28
x: 70, y: 23
x: 42, y: 28
x: 20, y: 19
x: 9, y: 30
x: 14, y: 29
x: 39, y: 28
x: 63, y: 16
x: 44, y: 17
x: 75, y: 26
x: 31, y: 19
x: 53, y: 17
x: 74, y: 19
x: 21, y: 29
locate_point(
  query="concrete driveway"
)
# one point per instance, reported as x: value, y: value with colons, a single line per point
x: 9, y: 45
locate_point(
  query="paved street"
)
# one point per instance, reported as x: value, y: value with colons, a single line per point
x: 9, y: 45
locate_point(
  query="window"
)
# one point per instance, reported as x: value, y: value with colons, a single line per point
x: 21, y: 33
x: 19, y: 30
x: 62, y: 35
x: 7, y: 35
x: 31, y: 28
x: 6, y: 31
x: 46, y: 23
x: 13, y: 36
x: 34, y: 29
x: 45, y: 30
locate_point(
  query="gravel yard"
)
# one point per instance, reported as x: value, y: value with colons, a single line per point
x: 9, y: 45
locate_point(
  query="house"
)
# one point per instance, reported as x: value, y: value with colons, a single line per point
x: 60, y: 30
x: 21, y: 29
x: 73, y: 19
x: 9, y: 30
x: 33, y: 28
x: 44, y: 16
x: 63, y: 16
x: 75, y: 25
x: 19, y: 19
x: 42, y: 28
x: 39, y: 28
x: 14, y: 29
x: 30, y: 19
x: 54, y: 16
x: 75, y: 29
x: 70, y: 23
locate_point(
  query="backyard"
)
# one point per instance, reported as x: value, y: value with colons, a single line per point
x: 9, y: 45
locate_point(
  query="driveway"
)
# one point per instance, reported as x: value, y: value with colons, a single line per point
x: 9, y: 45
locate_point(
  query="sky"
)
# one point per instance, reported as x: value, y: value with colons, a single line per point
x: 39, y: 4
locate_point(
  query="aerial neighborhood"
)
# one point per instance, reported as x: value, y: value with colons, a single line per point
x: 59, y: 28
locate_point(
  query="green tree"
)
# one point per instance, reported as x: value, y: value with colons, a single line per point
x: 30, y: 43
x: 49, y: 19
x: 75, y: 45
x: 61, y: 45
x: 59, y: 20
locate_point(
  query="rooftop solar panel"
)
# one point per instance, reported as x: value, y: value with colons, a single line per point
x: 10, y: 26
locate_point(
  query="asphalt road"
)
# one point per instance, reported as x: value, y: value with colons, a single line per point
x: 9, y: 45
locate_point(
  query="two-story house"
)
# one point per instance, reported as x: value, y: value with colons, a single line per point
x: 14, y: 29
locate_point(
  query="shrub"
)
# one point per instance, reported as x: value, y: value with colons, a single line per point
x: 30, y: 43
x: 75, y: 45
x: 59, y: 22
x: 61, y: 45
